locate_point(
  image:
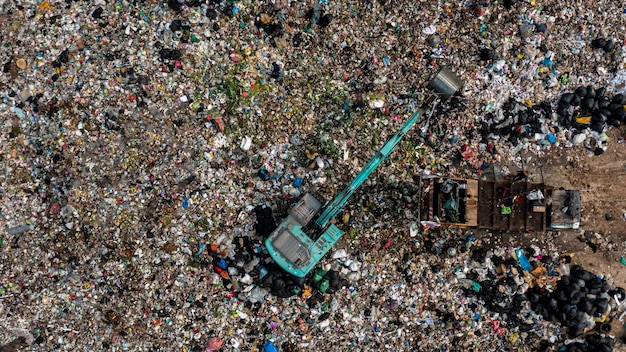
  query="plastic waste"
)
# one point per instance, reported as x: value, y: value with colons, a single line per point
x: 269, y: 347
x: 19, y: 229
x: 523, y: 261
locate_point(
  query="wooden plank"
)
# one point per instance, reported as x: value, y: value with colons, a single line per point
x: 485, y: 204
x: 536, y: 220
x: 518, y: 212
x: 471, y: 210
x: 529, y: 212
x: 500, y: 221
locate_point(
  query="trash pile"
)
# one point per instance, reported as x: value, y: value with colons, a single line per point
x: 148, y: 148
x: 587, y: 106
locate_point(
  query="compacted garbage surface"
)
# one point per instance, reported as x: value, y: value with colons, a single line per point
x: 147, y: 147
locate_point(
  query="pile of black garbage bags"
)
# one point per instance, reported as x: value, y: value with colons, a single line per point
x: 592, y: 343
x: 579, y: 299
x: 580, y: 302
x: 589, y: 107
x: 284, y: 285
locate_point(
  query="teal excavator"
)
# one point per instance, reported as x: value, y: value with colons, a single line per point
x: 307, y: 233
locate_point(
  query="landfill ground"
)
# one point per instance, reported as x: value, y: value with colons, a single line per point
x: 141, y: 139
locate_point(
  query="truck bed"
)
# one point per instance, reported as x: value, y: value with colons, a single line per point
x: 479, y: 205
x: 522, y: 217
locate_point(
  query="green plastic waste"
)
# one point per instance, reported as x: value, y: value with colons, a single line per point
x: 324, y: 285
x: 319, y: 274
x: 505, y: 210
x: 476, y: 286
x: 623, y: 260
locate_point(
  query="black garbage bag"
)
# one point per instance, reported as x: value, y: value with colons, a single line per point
x: 533, y: 298
x: 325, y: 20
x: 562, y: 296
x: 486, y: 54
x: 175, y: 5
x: 265, y: 220
x: 553, y: 305
x: 526, y: 327
x: 299, y: 281
x: 606, y: 113
x: 602, y: 304
x: 591, y: 93
x: 324, y: 316
x: 519, y: 298
x: 619, y: 99
x: 211, y: 14
x: 540, y: 309
x: 97, y: 13
x: 281, y: 289
x: 594, y: 340
x: 580, y: 283
x: 569, y: 323
x: 588, y: 103
x: 619, y: 291
x: 509, y: 3
x: 605, y: 286
x: 615, y: 106
x: 268, y: 280
x: 604, y: 103
x: 598, y: 127
x: 586, y: 306
x: 573, y: 297
x: 598, y: 43
x: 608, y: 341
x: 576, y: 331
x: 571, y: 315
x: 619, y: 114
x: 596, y: 116
x: 581, y: 91
x: 566, y: 98
x: 563, y: 110
x: 595, y: 284
x: 581, y: 295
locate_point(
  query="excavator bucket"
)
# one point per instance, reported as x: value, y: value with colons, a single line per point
x: 445, y: 84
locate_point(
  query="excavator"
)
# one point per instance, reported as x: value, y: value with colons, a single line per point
x: 307, y: 233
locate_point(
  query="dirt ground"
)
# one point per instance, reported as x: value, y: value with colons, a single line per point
x: 602, y: 180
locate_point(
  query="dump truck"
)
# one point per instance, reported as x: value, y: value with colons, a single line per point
x: 518, y: 206
x: 307, y: 233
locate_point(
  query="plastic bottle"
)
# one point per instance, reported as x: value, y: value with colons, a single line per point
x: 523, y: 261
x: 564, y: 269
x: 19, y: 229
